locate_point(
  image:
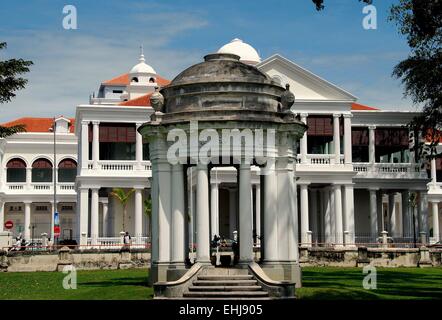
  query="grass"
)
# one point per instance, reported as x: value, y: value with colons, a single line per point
x: 318, y: 283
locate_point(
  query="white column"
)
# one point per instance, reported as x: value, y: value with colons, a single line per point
x: 164, y: 211
x: 391, y: 214
x: 95, y: 143
x: 332, y: 216
x: 27, y: 226
x: 270, y: 236
x: 28, y: 178
x: 214, y: 218
x: 94, y: 216
x: 202, y: 215
x: 314, y: 214
x: 336, y: 138
x: 373, y: 215
x: 105, y: 218
x: 349, y: 226
x: 435, y: 209
x: 245, y: 215
x: 138, y: 221
x: 303, y: 142
x: 178, y: 211
x: 433, y: 172
x: 84, y: 144
x: 2, y: 216
x: 347, y: 139
x: 327, y: 215
x: 406, y: 217
x: 232, y: 212
x: 423, y: 216
x: 138, y: 147
x: 338, y: 214
x: 371, y: 144
x: 304, y: 215
x: 83, y: 215
x: 258, y: 212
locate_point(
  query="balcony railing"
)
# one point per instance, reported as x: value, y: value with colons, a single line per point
x: 388, y: 170
x: 62, y: 188
x: 321, y: 159
x: 118, y: 167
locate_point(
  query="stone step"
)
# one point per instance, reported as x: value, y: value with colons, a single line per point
x: 224, y: 282
x: 225, y: 277
x: 225, y: 288
x: 229, y: 294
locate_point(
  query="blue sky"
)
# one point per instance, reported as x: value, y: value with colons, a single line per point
x: 70, y: 64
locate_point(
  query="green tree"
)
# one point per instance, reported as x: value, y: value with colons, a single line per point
x: 123, y: 197
x: 320, y: 3
x: 10, y: 81
x: 148, y: 212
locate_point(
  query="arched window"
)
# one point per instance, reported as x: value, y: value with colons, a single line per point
x: 67, y: 170
x: 42, y: 170
x: 152, y: 80
x: 134, y: 79
x: 16, y: 170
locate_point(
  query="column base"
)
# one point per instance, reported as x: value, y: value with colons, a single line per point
x: 283, y: 271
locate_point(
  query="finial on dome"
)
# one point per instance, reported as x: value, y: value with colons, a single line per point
x: 142, y: 54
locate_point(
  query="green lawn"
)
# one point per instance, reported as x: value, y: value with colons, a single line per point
x: 319, y: 283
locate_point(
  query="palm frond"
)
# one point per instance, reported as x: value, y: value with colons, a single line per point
x: 9, y: 131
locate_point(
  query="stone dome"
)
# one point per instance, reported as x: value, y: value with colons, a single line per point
x: 142, y: 67
x: 222, y: 87
x: 245, y: 51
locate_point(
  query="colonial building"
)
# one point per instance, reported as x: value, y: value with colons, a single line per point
x: 356, y: 175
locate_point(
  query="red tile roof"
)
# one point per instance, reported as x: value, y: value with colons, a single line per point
x: 142, y: 101
x: 36, y: 124
x: 357, y: 106
x: 123, y: 80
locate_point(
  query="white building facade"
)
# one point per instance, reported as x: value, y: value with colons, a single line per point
x: 356, y: 175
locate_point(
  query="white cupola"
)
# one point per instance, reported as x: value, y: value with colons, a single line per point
x: 142, y: 78
x: 245, y: 51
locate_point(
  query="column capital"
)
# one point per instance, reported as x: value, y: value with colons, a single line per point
x: 303, y: 114
x: 371, y: 127
x: 85, y: 122
x: 347, y: 115
x: 138, y: 124
x: 27, y: 202
x: 336, y: 115
x: 95, y: 122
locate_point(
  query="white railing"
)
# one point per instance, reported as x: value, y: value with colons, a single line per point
x: 388, y: 170
x: 116, y: 242
x: 120, y: 165
x: 16, y: 186
x: 321, y: 159
x: 67, y: 187
x: 42, y: 187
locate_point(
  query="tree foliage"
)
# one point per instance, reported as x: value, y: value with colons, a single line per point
x: 10, y: 81
x: 421, y: 73
x: 123, y: 197
x: 320, y: 3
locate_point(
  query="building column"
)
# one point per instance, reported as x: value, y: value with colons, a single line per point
x: 314, y: 214
x: 305, y: 227
x: 423, y: 217
x: 391, y: 213
x: 84, y: 144
x: 138, y: 221
x: 433, y: 173
x: 232, y: 212
x: 27, y: 225
x: 178, y: 212
x: 336, y: 139
x: 105, y: 218
x: 2, y: 215
x: 373, y: 215
x: 270, y: 236
x: 138, y: 147
x: 202, y: 215
x: 245, y: 215
x: 406, y: 217
x: 258, y: 213
x: 435, y: 209
x: 327, y: 215
x: 347, y: 139
x: 371, y: 144
x: 349, y: 221
x: 214, y: 216
x: 94, y: 216
x: 28, y: 178
x: 164, y: 211
x: 95, y: 143
x: 303, y: 141
x: 83, y: 215
x: 339, y: 232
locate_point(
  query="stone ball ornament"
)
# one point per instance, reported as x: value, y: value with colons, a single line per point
x: 287, y: 99
x: 157, y: 100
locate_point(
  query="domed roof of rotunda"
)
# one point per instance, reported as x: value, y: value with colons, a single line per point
x: 245, y: 51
